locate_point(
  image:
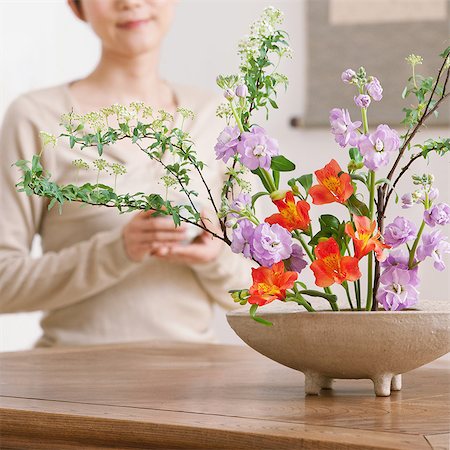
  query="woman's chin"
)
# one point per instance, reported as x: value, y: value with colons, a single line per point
x: 136, y: 46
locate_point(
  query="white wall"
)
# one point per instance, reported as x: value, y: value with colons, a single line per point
x: 42, y: 44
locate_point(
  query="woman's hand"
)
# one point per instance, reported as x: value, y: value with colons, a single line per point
x: 145, y: 234
x: 203, y: 249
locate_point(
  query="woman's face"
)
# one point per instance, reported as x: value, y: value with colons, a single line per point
x: 128, y: 27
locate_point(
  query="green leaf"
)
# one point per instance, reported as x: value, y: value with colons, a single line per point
x: 405, y: 92
x: 282, y: 164
x: 325, y: 233
x: 276, y: 178
x: 263, y: 180
x: 36, y: 165
x: 253, y: 309
x: 306, y: 181
x: 328, y: 221
x: 355, y: 155
x: 52, y: 203
x: 258, y: 195
x: 357, y: 207
x: 445, y: 53
x: 273, y: 103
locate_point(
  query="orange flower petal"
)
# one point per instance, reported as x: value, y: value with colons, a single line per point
x: 322, y: 273
x: 350, y: 268
x: 321, y: 195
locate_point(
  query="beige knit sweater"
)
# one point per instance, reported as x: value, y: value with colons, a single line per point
x: 90, y: 291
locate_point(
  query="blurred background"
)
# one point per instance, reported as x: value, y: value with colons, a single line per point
x: 43, y: 44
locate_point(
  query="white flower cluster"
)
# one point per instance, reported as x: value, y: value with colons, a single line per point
x: 48, y: 139
x: 224, y: 111
x: 100, y: 164
x: 118, y: 169
x: 80, y: 164
x: 168, y: 180
x: 260, y: 30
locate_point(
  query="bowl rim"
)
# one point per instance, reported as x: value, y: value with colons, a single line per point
x: 348, y: 312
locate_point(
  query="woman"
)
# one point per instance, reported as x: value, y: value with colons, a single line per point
x: 105, y: 277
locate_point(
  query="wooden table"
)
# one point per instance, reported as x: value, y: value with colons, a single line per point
x: 206, y: 396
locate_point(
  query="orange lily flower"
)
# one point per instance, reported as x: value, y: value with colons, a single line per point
x: 270, y: 283
x: 333, y: 186
x: 292, y: 216
x: 366, y: 241
x: 331, y: 267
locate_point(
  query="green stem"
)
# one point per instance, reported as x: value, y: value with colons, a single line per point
x: 345, y: 286
x: 371, y: 212
x: 299, y: 237
x: 236, y: 117
x: 299, y: 299
x: 412, y: 252
x: 369, y: 299
x: 357, y: 286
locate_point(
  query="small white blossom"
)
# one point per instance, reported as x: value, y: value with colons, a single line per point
x: 80, y: 164
x: 117, y: 169
x: 101, y: 164
x: 48, y: 139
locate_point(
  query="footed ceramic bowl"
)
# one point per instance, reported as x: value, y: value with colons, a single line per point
x: 324, y: 345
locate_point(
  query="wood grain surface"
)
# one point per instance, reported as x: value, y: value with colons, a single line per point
x: 150, y: 395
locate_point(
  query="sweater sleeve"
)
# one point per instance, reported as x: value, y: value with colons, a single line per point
x: 56, y: 279
x: 228, y: 271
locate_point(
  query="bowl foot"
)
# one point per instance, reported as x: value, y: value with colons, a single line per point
x: 314, y: 382
x: 382, y: 384
x: 396, y: 383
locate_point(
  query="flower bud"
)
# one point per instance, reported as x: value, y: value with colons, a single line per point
x: 433, y: 194
x: 362, y: 100
x: 278, y: 195
x: 228, y: 94
x: 348, y: 76
x: 241, y: 91
x: 353, y: 165
x: 407, y: 200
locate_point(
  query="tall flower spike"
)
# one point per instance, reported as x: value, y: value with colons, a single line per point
x: 331, y: 267
x: 334, y: 185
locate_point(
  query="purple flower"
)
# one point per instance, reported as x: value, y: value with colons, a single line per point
x: 362, y: 100
x: 242, y: 237
x: 433, y: 245
x: 257, y: 149
x: 227, y: 143
x: 241, y: 91
x: 397, y: 292
x: 407, y: 200
x: 377, y: 147
x: 374, y: 89
x: 433, y: 194
x: 438, y: 214
x: 398, y: 260
x: 348, y: 75
x: 297, y: 261
x: 343, y: 128
x: 241, y: 202
x: 271, y: 244
x: 228, y: 94
x: 398, y: 232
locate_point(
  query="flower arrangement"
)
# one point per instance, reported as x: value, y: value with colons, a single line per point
x: 287, y: 242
